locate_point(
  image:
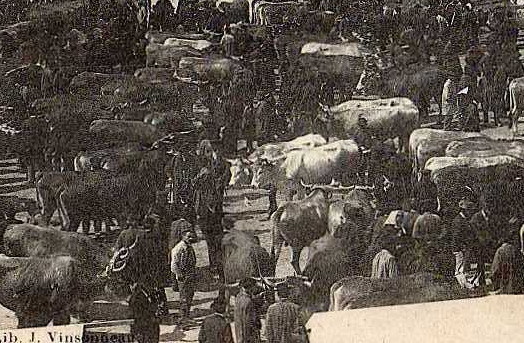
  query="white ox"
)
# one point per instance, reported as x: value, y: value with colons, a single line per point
x: 516, y: 104
x: 241, y: 168
x: 389, y: 118
x: 324, y: 49
x: 319, y: 165
x: 198, y: 44
x: 427, y: 143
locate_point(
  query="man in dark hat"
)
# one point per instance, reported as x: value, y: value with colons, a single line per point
x: 462, y: 235
x: 215, y: 328
x: 365, y: 138
x: 143, y: 304
x: 247, y: 323
x: 183, y: 266
x: 282, y: 318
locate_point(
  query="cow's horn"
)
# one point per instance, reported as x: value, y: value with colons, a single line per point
x: 304, y: 185
x: 133, y: 245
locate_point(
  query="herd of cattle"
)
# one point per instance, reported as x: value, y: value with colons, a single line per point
x: 113, y: 137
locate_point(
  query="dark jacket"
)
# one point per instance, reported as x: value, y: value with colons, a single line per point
x: 215, y: 329
x: 486, y: 231
x: 508, y: 270
x: 281, y: 321
x: 247, y: 323
x: 461, y: 233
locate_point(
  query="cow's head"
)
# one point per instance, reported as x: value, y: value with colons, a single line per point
x: 241, y: 173
x: 125, y: 267
x: 265, y: 172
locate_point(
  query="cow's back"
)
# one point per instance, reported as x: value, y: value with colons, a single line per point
x: 362, y: 292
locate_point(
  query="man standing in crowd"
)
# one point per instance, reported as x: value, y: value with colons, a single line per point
x: 384, y: 264
x: 247, y: 323
x: 183, y: 266
x: 426, y: 193
x: 483, y: 225
x: 461, y: 236
x: 282, y: 318
x: 215, y: 328
x: 146, y: 326
x: 209, y: 187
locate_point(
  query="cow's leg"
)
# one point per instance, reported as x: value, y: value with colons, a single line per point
x: 276, y: 246
x: 64, y: 216
x: 272, y: 200
x: 295, y: 260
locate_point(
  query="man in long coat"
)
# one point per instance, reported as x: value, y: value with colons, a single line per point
x: 282, y: 318
x: 462, y: 235
x: 247, y: 323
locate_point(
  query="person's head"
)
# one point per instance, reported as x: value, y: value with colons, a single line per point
x: 362, y: 122
x: 219, y: 306
x: 188, y: 235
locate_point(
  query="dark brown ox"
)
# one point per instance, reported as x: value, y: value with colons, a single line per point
x: 39, y: 290
x: 420, y: 85
x: 360, y: 292
x: 125, y: 131
x: 26, y: 240
x: 329, y: 260
x: 115, y: 159
x: 114, y: 197
x: 354, y: 212
x: 298, y: 223
x: 243, y: 257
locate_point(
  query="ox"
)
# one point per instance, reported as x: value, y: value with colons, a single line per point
x: 26, y: 240
x: 140, y: 256
x: 298, y: 223
x: 243, y: 257
x: 360, y: 292
x: 125, y: 131
x: 153, y: 75
x: 353, y: 213
x: 116, y: 159
x: 49, y: 183
x: 208, y: 69
x: 39, y: 290
x: 112, y: 197
x: 275, y: 13
x: 90, y: 83
x: 420, y: 85
x: 318, y: 165
x: 389, y: 118
x: 427, y: 143
x: 167, y: 56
